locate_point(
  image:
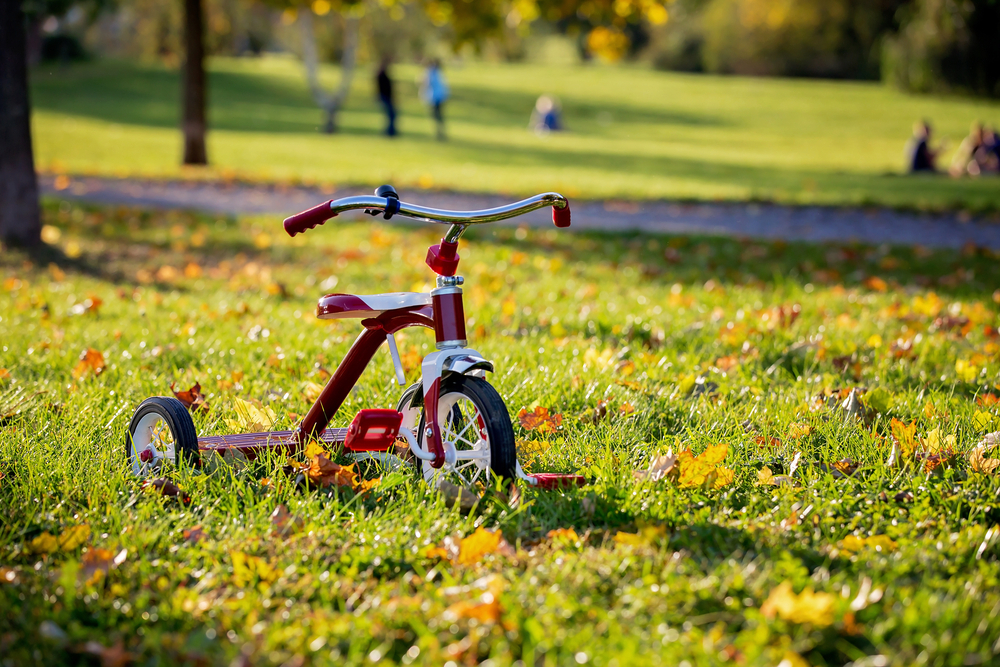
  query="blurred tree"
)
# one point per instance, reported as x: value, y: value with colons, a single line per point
x: 20, y: 221
x: 830, y: 38
x: 193, y: 84
x: 947, y: 46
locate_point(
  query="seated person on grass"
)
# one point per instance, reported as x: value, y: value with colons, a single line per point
x: 919, y: 154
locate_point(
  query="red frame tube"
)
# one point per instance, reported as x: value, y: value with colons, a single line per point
x: 354, y: 364
x: 449, y: 317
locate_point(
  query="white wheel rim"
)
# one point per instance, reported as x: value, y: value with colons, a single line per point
x: 469, y: 440
x: 151, y: 434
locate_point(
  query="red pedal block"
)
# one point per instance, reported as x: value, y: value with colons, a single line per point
x: 373, y: 430
x: 551, y: 481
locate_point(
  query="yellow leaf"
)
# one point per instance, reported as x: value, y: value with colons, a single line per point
x: 311, y: 391
x: 563, y: 535
x: 314, y: 448
x: 73, y: 537
x: 933, y: 443
x: 44, y: 544
x: 250, y: 418
x: 724, y: 477
x: 855, y: 544
x: 807, y: 607
x: 484, y: 612
x: 765, y: 477
x: 482, y: 542
x: 799, y: 430
x: 646, y: 536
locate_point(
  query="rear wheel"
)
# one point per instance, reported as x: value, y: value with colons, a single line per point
x: 161, y: 434
x: 475, y: 423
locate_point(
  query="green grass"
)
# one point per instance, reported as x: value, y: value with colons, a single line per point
x: 678, y: 343
x: 634, y: 133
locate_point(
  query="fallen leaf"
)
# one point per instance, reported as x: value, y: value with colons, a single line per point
x: 765, y: 477
x: 73, y: 537
x: 192, y: 399
x: 166, y: 488
x: 540, y: 420
x: 45, y: 543
x: 97, y: 562
x: 563, y: 536
x: 250, y: 418
x: 4, y: 373
x: 91, y: 361
x: 936, y: 444
x: 977, y: 456
x: 646, y: 536
x: 311, y: 391
x: 283, y: 522
x: 807, y: 607
x: 454, y: 494
x: 660, y: 467
x: 854, y: 544
x: 485, y: 609
x: 797, y: 430
x: 247, y: 569
x: 194, y: 535
x: 471, y: 549
x: 114, y: 656
x: 323, y: 472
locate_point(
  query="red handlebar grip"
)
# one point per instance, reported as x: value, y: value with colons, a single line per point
x: 560, y: 216
x: 308, y: 219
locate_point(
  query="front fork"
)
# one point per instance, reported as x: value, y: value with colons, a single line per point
x: 459, y: 360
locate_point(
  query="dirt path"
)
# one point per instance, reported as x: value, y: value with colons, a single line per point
x: 766, y: 221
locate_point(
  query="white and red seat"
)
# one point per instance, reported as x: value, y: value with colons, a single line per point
x: 343, y: 306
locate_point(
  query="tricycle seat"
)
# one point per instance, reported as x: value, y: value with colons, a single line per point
x: 342, y: 306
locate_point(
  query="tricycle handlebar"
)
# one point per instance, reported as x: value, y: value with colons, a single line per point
x: 390, y: 206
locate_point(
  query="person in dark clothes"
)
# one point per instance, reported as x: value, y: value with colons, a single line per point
x: 919, y: 154
x: 384, y: 82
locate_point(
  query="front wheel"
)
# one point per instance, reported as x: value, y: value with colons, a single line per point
x: 161, y: 433
x: 474, y: 420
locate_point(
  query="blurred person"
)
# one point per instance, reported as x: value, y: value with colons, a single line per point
x: 546, y: 116
x: 434, y: 90
x: 384, y: 84
x: 977, y: 154
x: 987, y: 156
x: 919, y: 154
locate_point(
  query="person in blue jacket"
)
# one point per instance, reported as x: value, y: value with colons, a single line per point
x: 435, y: 93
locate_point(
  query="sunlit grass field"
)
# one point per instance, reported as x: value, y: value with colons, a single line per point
x: 828, y: 529
x: 632, y: 133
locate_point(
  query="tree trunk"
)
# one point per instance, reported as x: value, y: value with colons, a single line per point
x: 330, y: 104
x: 20, y: 220
x: 194, y: 124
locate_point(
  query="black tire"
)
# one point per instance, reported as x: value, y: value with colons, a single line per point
x: 503, y: 452
x: 173, y: 413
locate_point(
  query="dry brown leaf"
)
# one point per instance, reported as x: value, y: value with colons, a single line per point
x: 192, y: 399
x: 486, y: 609
x: 166, y: 488
x: 323, y: 472
x: 284, y: 523
x: 660, y: 467
x: 113, y: 656
x: 194, y: 535
x: 540, y: 420
x: 91, y: 361
x: 454, y: 494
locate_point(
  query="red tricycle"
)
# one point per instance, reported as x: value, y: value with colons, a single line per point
x: 453, y: 422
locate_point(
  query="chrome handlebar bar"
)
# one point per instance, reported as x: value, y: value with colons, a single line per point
x: 391, y: 206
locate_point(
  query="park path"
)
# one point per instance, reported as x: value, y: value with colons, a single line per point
x: 762, y: 221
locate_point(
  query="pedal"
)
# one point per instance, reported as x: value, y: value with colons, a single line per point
x: 551, y: 481
x: 373, y: 431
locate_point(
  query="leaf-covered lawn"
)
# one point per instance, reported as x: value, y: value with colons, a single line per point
x: 780, y: 442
